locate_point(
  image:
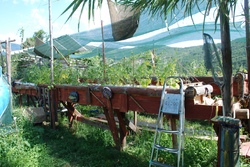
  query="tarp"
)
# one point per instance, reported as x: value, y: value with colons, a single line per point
x: 5, y: 102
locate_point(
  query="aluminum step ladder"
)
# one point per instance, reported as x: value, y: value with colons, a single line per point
x: 172, y: 105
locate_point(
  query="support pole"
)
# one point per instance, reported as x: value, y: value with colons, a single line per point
x: 52, y: 99
x: 226, y: 59
x: 8, y: 57
x: 1, y: 55
x: 247, y: 19
x: 122, y: 128
x: 103, y: 54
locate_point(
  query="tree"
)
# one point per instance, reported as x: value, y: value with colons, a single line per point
x: 41, y: 35
x: 30, y: 42
x: 170, y: 7
x: 21, y: 31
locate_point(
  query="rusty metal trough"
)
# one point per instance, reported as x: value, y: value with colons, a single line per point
x: 120, y: 99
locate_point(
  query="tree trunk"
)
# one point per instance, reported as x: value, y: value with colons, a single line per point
x: 226, y: 59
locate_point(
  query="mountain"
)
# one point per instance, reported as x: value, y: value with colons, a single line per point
x: 15, y: 47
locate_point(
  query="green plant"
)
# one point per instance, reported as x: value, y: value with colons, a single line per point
x: 136, y: 69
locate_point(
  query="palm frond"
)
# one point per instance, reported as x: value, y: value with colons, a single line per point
x: 75, y: 4
x: 164, y: 8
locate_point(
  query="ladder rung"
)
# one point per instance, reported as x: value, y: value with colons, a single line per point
x: 159, y: 164
x: 171, y: 150
x: 168, y: 131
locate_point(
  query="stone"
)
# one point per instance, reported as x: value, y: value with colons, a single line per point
x: 35, y: 114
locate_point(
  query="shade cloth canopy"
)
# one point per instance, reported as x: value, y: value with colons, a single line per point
x: 152, y: 32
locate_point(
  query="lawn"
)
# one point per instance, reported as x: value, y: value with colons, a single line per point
x: 87, y: 146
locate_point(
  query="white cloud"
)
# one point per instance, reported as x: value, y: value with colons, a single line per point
x: 59, y: 30
x: 15, y: 2
x: 11, y: 36
x: 39, y: 19
x: 31, y: 1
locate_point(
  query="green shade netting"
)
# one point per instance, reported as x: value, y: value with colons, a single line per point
x: 153, y: 32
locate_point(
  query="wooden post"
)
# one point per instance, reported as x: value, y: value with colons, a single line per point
x: 108, y: 111
x: 172, y: 122
x: 8, y: 57
x: 135, y: 118
x: 2, y: 63
x: 122, y: 128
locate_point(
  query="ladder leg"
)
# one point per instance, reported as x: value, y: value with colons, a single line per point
x: 172, y: 105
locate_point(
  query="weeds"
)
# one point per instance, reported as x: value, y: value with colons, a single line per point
x: 84, y: 145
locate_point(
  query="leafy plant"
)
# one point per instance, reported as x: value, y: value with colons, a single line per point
x: 136, y: 69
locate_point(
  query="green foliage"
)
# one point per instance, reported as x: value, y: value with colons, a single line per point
x: 94, y: 72
x: 17, y: 150
x: 82, y: 145
x: 40, y: 74
x: 41, y: 35
x: 31, y: 42
x: 120, y: 73
x: 206, y: 150
x: 85, y: 145
x: 37, y: 75
x: 136, y: 69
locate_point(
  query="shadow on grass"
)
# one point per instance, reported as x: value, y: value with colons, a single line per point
x: 82, y: 145
x: 87, y: 146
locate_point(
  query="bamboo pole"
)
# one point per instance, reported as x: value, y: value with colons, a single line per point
x: 51, y: 100
x: 247, y: 37
x: 103, y: 53
x: 246, y: 2
x: 51, y: 47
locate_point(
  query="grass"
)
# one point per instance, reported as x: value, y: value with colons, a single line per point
x: 86, y: 146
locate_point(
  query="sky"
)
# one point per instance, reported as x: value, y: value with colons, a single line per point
x: 33, y: 15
